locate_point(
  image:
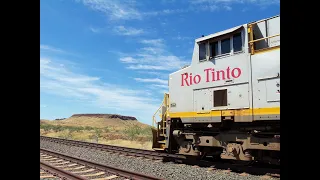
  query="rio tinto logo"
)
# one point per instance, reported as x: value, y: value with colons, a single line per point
x: 210, y: 76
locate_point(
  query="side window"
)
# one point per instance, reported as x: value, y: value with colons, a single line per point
x: 219, y: 47
x: 202, y: 51
x: 214, y: 49
x: 225, y: 46
x: 237, y: 42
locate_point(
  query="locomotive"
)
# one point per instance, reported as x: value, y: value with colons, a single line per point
x: 226, y: 103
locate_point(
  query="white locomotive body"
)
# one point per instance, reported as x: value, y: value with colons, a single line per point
x: 227, y: 102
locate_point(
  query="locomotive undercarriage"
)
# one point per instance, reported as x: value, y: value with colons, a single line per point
x: 254, y: 141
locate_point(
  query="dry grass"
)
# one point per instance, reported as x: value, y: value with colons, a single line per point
x: 126, y: 133
x: 115, y: 139
x: 131, y: 144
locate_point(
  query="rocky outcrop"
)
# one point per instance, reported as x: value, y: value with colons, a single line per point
x: 109, y: 116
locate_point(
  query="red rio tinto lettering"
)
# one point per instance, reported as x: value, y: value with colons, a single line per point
x: 211, y: 75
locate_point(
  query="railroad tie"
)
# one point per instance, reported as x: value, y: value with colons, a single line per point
x: 51, y: 159
x: 60, y: 160
x: 96, y: 174
x: 107, y: 178
x: 45, y: 156
x: 88, y: 170
x: 60, y: 163
x: 68, y: 165
x: 48, y: 176
x: 73, y: 168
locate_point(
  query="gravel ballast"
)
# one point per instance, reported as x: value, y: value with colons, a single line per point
x: 167, y: 170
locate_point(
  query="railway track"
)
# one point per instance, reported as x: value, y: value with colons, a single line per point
x: 57, y: 165
x: 154, y: 155
x: 47, y: 174
x: 116, y: 149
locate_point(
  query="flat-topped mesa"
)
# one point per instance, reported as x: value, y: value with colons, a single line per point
x: 110, y: 116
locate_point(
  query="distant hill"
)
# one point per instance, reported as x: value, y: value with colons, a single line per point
x: 97, y: 120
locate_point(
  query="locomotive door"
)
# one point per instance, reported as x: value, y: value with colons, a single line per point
x: 202, y: 105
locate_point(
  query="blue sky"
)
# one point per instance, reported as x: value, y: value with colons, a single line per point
x: 114, y: 56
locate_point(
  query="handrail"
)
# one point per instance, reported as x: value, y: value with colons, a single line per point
x: 165, y: 102
x: 251, y: 41
x: 264, y: 38
x: 153, y: 117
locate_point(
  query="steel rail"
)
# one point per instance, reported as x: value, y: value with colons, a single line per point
x: 60, y: 172
x: 102, y: 167
x: 130, y: 151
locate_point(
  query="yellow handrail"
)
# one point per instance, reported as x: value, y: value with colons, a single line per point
x: 251, y: 41
x: 165, y: 102
x: 264, y: 38
x: 164, y: 115
x: 153, y: 117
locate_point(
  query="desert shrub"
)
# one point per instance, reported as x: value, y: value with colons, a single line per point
x: 46, y: 127
x: 66, y: 134
x: 88, y: 128
x: 106, y: 129
x: 113, y: 136
x: 137, y: 133
x: 132, y: 132
x: 96, y: 134
x: 57, y: 128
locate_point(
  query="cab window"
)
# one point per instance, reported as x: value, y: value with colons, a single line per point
x: 202, y: 51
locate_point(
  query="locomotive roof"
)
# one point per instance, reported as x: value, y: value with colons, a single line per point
x: 218, y: 33
x: 229, y: 30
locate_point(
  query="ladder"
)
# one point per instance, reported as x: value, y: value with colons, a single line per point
x: 159, y: 131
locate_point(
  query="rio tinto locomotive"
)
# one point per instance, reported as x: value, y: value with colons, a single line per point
x: 226, y: 103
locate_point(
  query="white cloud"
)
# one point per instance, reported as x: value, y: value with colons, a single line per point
x: 181, y: 38
x: 154, y: 80
x: 153, y: 42
x: 127, y: 10
x: 159, y: 74
x: 95, y: 30
x: 216, y: 4
x: 152, y: 50
x: 156, y: 62
x: 153, y: 57
x: 50, y: 48
x: 160, y: 86
x: 62, y: 81
x: 146, y: 67
x: 114, y: 9
x: 228, y: 8
x: 128, y: 60
x: 43, y: 106
x: 129, y: 31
